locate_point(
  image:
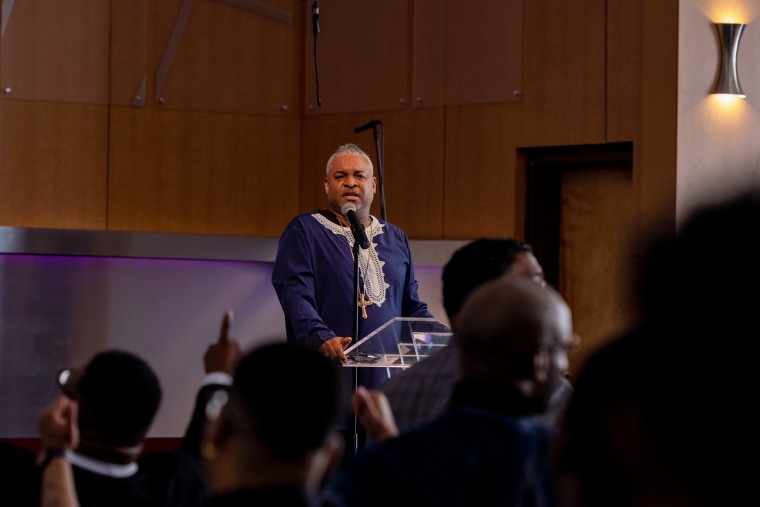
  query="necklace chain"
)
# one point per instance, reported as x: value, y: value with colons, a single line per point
x: 363, y: 303
x: 341, y: 219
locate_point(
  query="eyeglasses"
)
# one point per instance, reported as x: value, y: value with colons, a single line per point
x: 573, y: 346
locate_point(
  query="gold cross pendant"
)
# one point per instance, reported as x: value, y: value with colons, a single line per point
x: 364, y: 304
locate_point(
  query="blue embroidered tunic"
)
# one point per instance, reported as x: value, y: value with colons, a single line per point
x: 313, y: 277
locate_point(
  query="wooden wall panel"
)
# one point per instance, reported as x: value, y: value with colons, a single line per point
x: 563, y: 102
x: 228, y: 58
x: 654, y: 185
x: 414, y: 172
x: 563, y: 97
x: 480, y: 188
x: 209, y: 172
x: 362, y: 57
x: 129, y: 52
x: 625, y: 22
x: 466, y: 52
x: 483, y: 51
x: 196, y: 172
x: 170, y: 170
x: 53, y: 164
x: 56, y: 51
x: 413, y: 162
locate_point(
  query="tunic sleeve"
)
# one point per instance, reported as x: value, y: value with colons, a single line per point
x: 293, y: 278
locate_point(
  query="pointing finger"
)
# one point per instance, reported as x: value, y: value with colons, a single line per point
x: 224, y: 333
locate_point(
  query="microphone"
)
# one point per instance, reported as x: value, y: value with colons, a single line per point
x: 373, y: 123
x: 349, y: 211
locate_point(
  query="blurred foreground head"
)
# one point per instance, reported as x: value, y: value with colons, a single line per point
x: 666, y: 413
x: 515, y: 331
x: 701, y: 303
x: 481, y: 260
x: 118, y: 395
x: 275, y: 425
x: 287, y: 397
x: 709, y: 274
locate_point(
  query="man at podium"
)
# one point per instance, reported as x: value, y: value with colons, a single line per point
x: 313, y: 273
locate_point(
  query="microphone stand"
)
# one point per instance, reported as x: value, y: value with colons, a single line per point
x: 355, y: 335
x: 373, y: 124
x: 379, y: 157
x: 356, y: 248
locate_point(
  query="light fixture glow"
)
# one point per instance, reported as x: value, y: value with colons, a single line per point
x: 729, y: 35
x: 727, y: 101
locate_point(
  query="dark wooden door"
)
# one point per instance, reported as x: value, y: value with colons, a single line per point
x: 579, y: 221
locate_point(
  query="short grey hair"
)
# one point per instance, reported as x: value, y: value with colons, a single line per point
x: 348, y: 149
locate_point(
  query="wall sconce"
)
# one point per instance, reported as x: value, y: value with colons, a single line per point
x: 727, y: 83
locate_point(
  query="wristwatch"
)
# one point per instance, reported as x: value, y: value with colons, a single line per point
x: 47, y: 454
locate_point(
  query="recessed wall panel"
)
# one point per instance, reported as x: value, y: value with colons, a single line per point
x: 361, y: 57
x: 224, y: 55
x: 467, y: 52
x: 56, y: 51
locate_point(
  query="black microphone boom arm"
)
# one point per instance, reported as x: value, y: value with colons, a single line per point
x: 367, y: 126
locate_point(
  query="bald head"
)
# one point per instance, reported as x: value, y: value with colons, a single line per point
x: 512, y: 329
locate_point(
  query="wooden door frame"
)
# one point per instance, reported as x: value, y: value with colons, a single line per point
x: 543, y: 169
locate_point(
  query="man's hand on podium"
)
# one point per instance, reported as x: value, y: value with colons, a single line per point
x: 334, y: 347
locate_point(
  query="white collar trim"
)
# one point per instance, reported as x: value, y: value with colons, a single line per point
x: 371, y: 266
x: 101, y: 467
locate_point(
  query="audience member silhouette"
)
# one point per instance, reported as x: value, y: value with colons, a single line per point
x: 271, y: 439
x: 116, y: 395
x: 267, y: 440
x: 422, y: 392
x: 487, y: 448
x: 663, y: 415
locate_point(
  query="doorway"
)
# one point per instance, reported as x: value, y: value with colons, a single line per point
x: 579, y: 223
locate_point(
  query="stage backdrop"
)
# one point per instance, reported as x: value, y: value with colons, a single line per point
x: 67, y: 294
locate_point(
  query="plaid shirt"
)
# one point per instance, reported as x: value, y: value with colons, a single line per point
x: 420, y: 393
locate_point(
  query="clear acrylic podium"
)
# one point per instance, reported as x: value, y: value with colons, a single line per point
x: 398, y: 344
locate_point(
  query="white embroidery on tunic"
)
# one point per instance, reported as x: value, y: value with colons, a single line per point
x: 374, y: 281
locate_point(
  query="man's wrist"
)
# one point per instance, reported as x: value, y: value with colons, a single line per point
x: 217, y: 378
x: 48, y: 453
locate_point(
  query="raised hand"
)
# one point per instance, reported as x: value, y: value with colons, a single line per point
x: 57, y: 424
x: 374, y: 411
x: 223, y: 355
